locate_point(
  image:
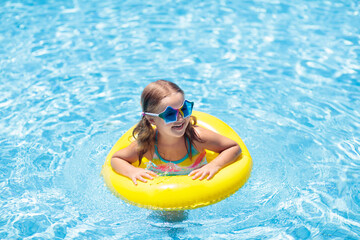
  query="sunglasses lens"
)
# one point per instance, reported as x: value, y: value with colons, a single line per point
x: 169, y: 115
x: 187, y: 108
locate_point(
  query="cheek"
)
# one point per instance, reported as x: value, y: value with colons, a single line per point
x: 187, y: 122
x: 159, y: 122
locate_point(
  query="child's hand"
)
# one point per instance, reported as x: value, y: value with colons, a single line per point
x: 206, y: 170
x: 140, y: 174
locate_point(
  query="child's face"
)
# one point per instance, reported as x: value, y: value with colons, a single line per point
x: 175, y: 129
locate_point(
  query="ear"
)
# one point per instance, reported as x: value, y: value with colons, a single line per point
x: 150, y: 119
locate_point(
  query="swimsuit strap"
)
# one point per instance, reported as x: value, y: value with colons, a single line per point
x: 175, y: 162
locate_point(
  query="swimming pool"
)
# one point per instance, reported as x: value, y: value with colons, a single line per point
x: 284, y: 75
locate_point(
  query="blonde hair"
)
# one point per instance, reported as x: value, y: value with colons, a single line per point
x: 150, y: 100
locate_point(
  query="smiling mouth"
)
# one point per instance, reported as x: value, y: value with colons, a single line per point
x: 179, y: 126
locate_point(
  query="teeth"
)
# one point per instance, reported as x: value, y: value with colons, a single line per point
x: 178, y: 125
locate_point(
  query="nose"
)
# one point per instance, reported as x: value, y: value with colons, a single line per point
x: 179, y: 116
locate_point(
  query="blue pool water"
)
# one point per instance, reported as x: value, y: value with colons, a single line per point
x: 284, y: 75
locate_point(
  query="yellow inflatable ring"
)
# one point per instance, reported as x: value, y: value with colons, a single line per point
x: 181, y: 192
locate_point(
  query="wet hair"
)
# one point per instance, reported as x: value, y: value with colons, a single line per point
x: 151, y: 97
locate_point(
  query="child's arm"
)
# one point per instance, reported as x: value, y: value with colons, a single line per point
x: 121, y: 162
x: 228, y: 151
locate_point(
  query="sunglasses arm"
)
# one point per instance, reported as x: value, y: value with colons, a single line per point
x: 150, y: 114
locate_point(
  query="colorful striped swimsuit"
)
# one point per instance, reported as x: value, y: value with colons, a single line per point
x: 181, y: 167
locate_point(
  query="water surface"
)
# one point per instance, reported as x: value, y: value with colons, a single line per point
x: 284, y: 75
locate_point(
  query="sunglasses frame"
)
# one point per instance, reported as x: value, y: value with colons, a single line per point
x: 168, y: 108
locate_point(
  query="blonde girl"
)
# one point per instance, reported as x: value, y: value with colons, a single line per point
x: 168, y: 136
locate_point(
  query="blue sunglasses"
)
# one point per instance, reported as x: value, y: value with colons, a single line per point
x: 170, y: 114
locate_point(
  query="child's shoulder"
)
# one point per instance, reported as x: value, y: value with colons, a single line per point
x: 136, y: 148
x: 203, y: 135
x: 207, y: 135
x: 133, y: 149
x: 201, y: 131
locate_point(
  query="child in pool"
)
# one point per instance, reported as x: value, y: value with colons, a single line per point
x: 176, y: 145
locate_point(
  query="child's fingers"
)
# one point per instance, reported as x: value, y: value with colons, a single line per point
x: 134, y: 181
x: 211, y: 174
x: 203, y: 175
x: 193, y: 173
x: 195, y: 176
x: 143, y: 175
x: 148, y: 175
x: 140, y: 178
x: 152, y: 173
x: 199, y: 174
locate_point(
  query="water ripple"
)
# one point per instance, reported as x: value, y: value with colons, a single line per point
x: 284, y: 75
